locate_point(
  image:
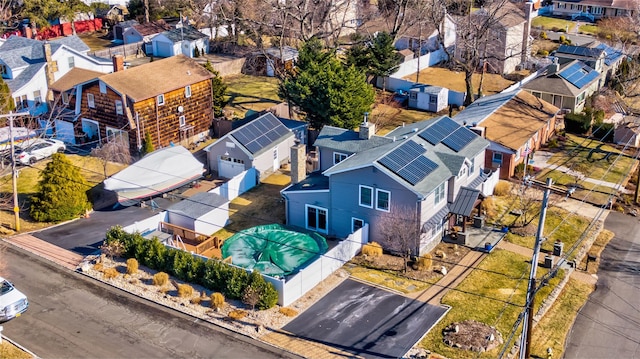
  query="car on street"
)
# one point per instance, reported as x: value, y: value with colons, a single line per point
x: 38, y: 150
x: 12, y: 302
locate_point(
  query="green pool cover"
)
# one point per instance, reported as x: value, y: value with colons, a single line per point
x: 273, y: 249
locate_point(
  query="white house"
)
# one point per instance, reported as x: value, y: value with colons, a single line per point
x: 30, y: 66
x: 181, y: 40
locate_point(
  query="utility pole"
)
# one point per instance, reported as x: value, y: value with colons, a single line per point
x: 525, y: 341
x: 16, y: 210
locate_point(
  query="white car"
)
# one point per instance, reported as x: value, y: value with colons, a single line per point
x: 12, y: 302
x: 39, y: 149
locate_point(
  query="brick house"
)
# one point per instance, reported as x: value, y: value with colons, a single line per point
x: 170, y: 99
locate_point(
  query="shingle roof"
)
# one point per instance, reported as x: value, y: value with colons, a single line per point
x: 157, y: 77
x: 514, y: 117
x: 198, y: 205
x: 288, y: 53
x: 151, y: 28
x: 553, y: 83
x: 346, y: 140
x: 75, y: 76
x: 25, y: 76
x: 188, y: 33
x: 19, y: 51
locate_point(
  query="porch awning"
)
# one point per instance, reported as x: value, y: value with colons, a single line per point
x: 436, y: 219
x: 463, y: 205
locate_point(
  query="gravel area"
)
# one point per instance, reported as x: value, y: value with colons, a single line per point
x: 255, y: 324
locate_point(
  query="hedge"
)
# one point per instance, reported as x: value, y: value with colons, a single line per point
x: 211, y: 274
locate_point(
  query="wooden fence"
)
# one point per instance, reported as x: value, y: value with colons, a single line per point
x: 127, y: 50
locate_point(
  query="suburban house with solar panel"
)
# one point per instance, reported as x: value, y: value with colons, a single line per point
x: 600, y: 57
x: 262, y: 144
x: 169, y: 99
x: 419, y: 170
x: 566, y: 86
x: 30, y: 66
x: 516, y: 123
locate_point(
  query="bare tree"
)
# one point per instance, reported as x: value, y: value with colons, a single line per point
x: 400, y: 229
x: 116, y: 149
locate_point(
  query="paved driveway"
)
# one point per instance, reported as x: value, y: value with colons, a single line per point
x: 85, y: 235
x: 366, y: 321
x: 608, y: 326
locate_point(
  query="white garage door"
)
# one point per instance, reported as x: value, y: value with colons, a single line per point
x: 229, y: 167
x: 64, y: 132
x: 163, y: 49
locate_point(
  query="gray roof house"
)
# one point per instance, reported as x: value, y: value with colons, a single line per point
x: 30, y: 66
x: 262, y: 144
x: 180, y: 40
x: 566, y: 86
x: 422, y: 169
x: 204, y: 212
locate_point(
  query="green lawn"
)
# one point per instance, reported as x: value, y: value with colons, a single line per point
x: 592, y: 158
x: 589, y: 192
x: 251, y: 93
x: 493, y: 294
x: 549, y: 23
x: 589, y: 29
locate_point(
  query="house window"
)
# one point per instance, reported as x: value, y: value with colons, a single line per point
x: 103, y: 87
x: 65, y: 98
x: 90, y: 102
x: 383, y: 200
x: 439, y: 194
x: 356, y: 223
x: 339, y: 157
x: 37, y: 98
x: 433, y: 100
x: 183, y: 121
x: 160, y: 100
x: 187, y: 91
x: 119, y: 107
x: 72, y: 62
x: 473, y: 166
x: 366, y: 196
x: 316, y: 218
x: 497, y: 158
x: 18, y: 103
x: 3, y: 70
x: 580, y: 98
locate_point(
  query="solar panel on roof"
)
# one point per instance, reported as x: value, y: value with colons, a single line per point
x: 408, y: 162
x: 438, y: 131
x: 417, y: 170
x: 253, y: 147
x: 579, y: 75
x: 260, y: 133
x: 459, y: 139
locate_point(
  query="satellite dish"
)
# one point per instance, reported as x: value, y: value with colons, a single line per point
x: 180, y: 109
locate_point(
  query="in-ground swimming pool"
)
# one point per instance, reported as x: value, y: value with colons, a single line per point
x: 273, y: 249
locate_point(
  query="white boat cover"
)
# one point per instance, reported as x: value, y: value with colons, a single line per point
x: 158, y: 172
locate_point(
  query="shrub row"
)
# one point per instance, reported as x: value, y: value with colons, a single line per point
x: 212, y: 274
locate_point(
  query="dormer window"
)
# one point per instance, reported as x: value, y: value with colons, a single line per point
x: 160, y: 100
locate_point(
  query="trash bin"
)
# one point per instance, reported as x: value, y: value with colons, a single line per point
x: 488, y: 246
x: 557, y: 248
x: 478, y: 222
x: 548, y: 261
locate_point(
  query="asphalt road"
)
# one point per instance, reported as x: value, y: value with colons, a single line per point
x: 71, y: 316
x: 608, y: 326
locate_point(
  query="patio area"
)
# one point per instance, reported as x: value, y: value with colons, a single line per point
x: 483, y: 239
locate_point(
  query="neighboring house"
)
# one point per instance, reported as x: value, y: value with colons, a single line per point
x: 429, y: 98
x: 424, y: 37
x: 566, y: 86
x: 120, y: 28
x: 515, y: 122
x: 144, y: 33
x: 416, y: 171
x: 180, y: 40
x: 204, y: 212
x: 508, y: 42
x: 275, y: 58
x: 592, y: 57
x: 299, y: 129
x: 30, y: 66
x: 595, y: 9
x: 170, y: 99
x: 628, y: 133
x: 262, y: 144
x: 114, y: 14
x: 612, y: 59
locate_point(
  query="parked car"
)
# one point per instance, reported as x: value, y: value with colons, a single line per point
x: 38, y: 150
x: 12, y: 302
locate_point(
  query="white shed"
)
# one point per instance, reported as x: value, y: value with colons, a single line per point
x: 204, y: 212
x: 428, y: 98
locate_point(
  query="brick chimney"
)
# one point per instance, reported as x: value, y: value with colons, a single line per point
x: 298, y: 163
x: 118, y: 63
x: 367, y: 129
x: 50, y: 69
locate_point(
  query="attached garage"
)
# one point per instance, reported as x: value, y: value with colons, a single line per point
x: 229, y: 167
x: 163, y: 49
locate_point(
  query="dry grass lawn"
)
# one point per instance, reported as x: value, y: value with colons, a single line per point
x: 96, y: 40
x: 454, y: 80
x: 10, y: 351
x: 250, y: 93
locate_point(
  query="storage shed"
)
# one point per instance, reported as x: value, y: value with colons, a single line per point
x: 204, y: 212
x: 428, y: 98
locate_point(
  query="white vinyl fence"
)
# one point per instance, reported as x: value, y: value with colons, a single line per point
x: 238, y: 184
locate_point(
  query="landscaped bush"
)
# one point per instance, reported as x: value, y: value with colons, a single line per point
x: 217, y: 300
x: 543, y: 35
x: 543, y: 53
x: 288, y: 312
x: 110, y: 273
x: 237, y: 314
x: 98, y: 266
x: 160, y: 279
x: 503, y: 188
x: 488, y: 207
x: 562, y: 39
x: 185, y: 291
x: 604, y: 132
x: 424, y: 262
x: 132, y: 266
x: 212, y: 274
x: 372, y: 249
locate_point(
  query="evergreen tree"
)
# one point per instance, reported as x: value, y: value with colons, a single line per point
x: 376, y: 58
x: 326, y: 90
x: 147, y: 144
x: 6, y: 101
x: 219, y: 90
x: 61, y: 192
